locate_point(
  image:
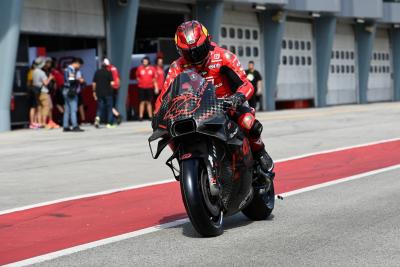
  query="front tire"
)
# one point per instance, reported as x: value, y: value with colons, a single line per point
x: 204, y: 210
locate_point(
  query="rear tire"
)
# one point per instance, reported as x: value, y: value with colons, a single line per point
x: 262, y: 205
x: 207, y: 221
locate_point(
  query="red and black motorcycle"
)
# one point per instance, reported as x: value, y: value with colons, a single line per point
x: 211, y: 158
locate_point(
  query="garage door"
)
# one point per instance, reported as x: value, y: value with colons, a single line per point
x: 296, y: 78
x: 342, y: 86
x: 240, y: 33
x: 380, y: 85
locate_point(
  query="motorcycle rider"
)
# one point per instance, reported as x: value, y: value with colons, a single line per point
x: 222, y: 68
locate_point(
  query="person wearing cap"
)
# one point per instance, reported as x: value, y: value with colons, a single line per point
x: 40, y: 82
x: 147, y: 86
x: 116, y: 85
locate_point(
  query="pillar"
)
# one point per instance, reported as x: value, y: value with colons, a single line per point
x: 10, y: 21
x: 272, y: 23
x: 365, y: 34
x: 210, y: 13
x: 325, y: 28
x: 121, y: 27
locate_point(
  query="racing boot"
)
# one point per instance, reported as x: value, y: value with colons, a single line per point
x: 258, y: 148
x: 266, y: 162
x: 264, y: 171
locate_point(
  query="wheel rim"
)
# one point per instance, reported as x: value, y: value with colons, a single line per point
x: 211, y: 202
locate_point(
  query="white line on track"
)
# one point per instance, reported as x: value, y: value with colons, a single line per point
x: 171, y: 180
x: 156, y: 228
x: 94, y: 244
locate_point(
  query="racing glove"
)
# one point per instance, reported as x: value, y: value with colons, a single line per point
x: 234, y: 101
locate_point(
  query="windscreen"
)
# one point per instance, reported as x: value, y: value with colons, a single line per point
x: 188, y: 82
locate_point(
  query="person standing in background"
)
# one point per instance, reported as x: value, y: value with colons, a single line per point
x: 116, y: 85
x: 147, y: 86
x: 82, y: 83
x: 70, y: 93
x: 57, y: 95
x: 103, y: 94
x: 33, y: 99
x: 52, y: 86
x: 256, y: 80
x: 40, y: 82
x: 160, y: 74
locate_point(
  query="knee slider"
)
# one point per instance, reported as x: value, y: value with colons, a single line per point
x: 256, y: 130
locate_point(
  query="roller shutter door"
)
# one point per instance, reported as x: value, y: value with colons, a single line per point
x: 342, y: 86
x: 380, y: 85
x: 240, y: 33
x: 296, y: 78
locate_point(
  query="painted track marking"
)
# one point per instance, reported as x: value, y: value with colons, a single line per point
x: 2, y: 212
x: 156, y: 228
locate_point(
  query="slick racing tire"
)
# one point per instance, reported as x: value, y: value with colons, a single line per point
x: 262, y: 205
x: 203, y: 209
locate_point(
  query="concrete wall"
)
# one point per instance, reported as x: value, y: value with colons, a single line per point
x: 362, y: 9
x: 72, y: 17
x: 391, y: 12
x: 315, y: 5
x: 276, y: 2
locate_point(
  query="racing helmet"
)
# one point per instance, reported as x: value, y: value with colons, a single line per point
x: 192, y: 41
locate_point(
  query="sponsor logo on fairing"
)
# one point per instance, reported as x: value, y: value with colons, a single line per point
x: 218, y: 85
x: 186, y: 156
x: 214, y: 66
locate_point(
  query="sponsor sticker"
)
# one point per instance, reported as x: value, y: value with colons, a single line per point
x: 186, y: 156
x: 214, y: 66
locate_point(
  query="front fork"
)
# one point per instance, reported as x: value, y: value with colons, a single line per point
x: 209, y: 157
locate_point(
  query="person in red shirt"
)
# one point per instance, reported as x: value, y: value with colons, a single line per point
x: 160, y: 75
x: 147, y: 86
x: 58, y: 97
x: 223, y: 69
x: 116, y: 85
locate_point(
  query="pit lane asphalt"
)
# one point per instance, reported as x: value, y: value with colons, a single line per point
x: 37, y: 166
x: 351, y: 224
x: 355, y: 223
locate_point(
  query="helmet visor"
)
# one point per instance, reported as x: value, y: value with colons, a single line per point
x: 196, y: 54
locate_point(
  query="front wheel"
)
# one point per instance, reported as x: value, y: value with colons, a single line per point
x: 203, y: 209
x: 262, y: 205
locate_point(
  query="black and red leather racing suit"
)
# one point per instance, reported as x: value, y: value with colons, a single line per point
x: 223, y: 69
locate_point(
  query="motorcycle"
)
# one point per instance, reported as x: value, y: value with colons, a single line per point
x: 211, y: 156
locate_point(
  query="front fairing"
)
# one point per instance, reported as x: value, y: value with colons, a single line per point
x: 189, y: 97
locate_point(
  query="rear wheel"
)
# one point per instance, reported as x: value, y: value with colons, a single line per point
x: 262, y: 205
x: 203, y: 209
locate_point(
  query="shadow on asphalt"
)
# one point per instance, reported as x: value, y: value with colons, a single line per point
x: 232, y: 222
x: 171, y: 218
